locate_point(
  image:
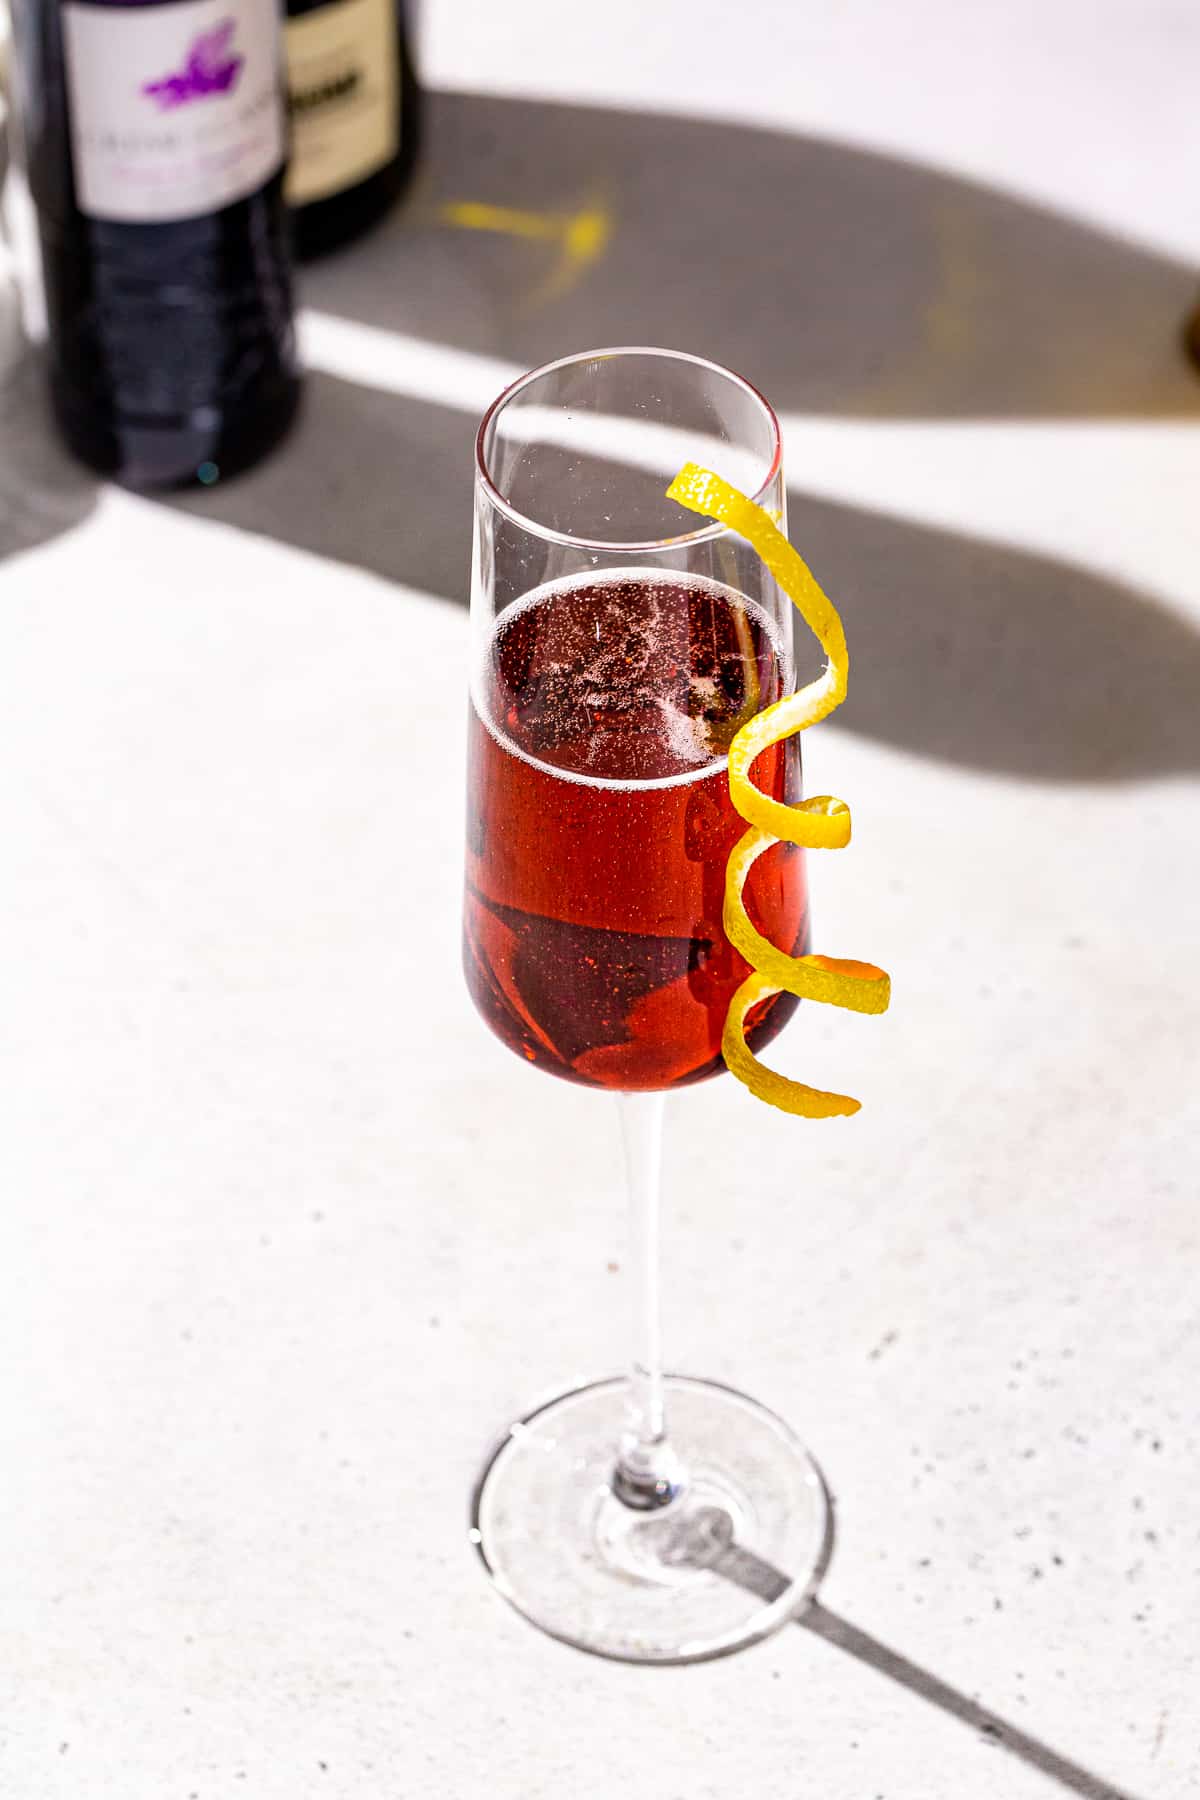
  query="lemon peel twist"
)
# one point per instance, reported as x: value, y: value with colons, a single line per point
x: 819, y: 823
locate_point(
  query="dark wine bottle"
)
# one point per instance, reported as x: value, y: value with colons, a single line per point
x: 155, y: 136
x: 1191, y: 334
x: 353, y: 98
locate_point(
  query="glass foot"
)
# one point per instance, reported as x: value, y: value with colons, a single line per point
x: 735, y: 1556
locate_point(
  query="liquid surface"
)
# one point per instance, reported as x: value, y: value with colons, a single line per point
x: 629, y: 681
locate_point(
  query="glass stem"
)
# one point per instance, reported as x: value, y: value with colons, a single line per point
x: 647, y: 1473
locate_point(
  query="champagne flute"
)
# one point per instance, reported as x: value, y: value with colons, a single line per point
x: 617, y: 644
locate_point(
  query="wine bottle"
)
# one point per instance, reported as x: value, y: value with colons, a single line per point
x: 353, y: 99
x: 1191, y: 334
x: 155, y: 136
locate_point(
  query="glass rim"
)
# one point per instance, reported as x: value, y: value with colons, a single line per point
x: 609, y: 546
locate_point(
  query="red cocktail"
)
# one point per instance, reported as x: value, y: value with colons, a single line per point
x: 599, y: 825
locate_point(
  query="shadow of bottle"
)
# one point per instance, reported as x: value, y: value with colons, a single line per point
x: 43, y: 490
x: 973, y: 653
x: 839, y: 280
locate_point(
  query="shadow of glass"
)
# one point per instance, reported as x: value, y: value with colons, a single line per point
x: 929, y: 1687
x: 969, y: 652
x: 839, y: 280
x: 999, y: 659
x: 43, y: 490
x: 720, y: 1552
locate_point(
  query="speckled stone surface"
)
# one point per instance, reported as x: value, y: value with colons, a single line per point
x: 286, y: 1235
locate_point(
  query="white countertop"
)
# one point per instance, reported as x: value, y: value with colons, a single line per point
x: 287, y: 1235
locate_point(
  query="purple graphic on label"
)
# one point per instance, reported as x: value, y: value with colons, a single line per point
x: 209, y: 69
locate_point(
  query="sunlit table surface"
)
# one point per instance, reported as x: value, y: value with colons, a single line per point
x: 287, y: 1235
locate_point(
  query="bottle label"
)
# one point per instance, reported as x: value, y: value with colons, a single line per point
x: 344, y: 96
x: 175, y: 110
